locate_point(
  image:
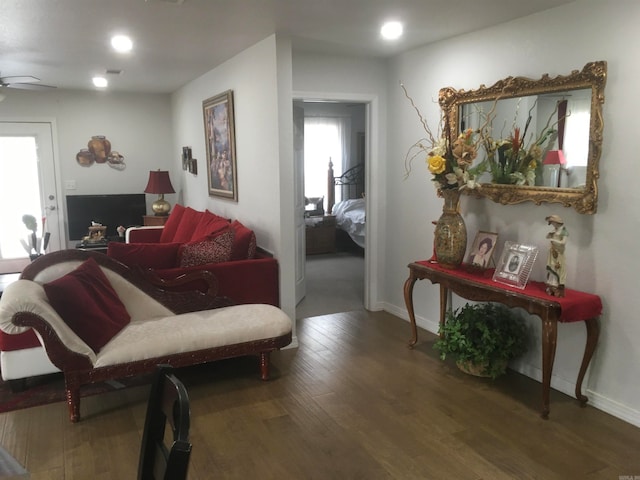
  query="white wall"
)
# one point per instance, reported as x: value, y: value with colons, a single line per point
x: 600, y: 253
x: 254, y: 77
x: 137, y: 125
x: 331, y: 77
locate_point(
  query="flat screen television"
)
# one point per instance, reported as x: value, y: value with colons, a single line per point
x: 109, y: 210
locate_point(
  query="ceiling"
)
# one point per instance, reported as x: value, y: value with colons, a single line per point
x: 66, y: 42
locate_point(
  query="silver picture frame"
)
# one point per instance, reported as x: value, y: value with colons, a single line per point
x: 516, y: 262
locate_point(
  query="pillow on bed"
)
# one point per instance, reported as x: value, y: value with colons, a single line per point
x: 88, y: 304
x: 214, y: 248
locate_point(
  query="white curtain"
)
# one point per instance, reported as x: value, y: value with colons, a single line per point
x: 325, y: 138
x: 576, y: 147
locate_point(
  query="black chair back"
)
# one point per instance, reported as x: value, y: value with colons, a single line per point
x: 164, y: 455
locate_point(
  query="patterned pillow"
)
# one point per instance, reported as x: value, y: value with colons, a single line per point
x: 214, y: 248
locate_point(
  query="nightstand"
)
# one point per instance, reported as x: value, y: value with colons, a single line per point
x: 154, y: 220
x: 321, y: 234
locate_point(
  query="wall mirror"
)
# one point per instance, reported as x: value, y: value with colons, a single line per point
x: 560, y: 116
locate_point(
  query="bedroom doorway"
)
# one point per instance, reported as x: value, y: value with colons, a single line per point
x: 334, y: 265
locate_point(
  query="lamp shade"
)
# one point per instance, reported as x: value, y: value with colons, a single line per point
x: 554, y: 157
x: 159, y: 182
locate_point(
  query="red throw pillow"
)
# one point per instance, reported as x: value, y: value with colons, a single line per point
x: 188, y: 223
x: 213, y: 248
x: 145, y: 255
x: 171, y: 227
x: 209, y: 223
x: 87, y: 302
x: 244, y: 244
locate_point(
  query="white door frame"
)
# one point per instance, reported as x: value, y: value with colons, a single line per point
x: 372, y: 189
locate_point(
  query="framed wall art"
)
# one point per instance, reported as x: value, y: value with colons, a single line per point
x: 482, y: 250
x: 515, y: 264
x: 219, y: 133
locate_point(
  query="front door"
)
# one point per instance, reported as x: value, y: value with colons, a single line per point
x: 28, y: 194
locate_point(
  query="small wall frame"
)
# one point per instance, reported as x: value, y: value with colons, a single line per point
x: 515, y: 264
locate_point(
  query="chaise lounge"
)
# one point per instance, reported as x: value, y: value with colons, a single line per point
x: 99, y: 320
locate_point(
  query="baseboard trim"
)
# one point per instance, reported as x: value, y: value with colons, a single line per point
x: 596, y: 400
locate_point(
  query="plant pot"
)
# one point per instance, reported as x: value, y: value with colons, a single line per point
x: 478, y: 370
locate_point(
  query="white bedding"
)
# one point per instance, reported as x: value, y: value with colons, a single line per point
x: 350, y: 217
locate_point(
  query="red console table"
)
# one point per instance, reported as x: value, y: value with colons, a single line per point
x: 575, y: 306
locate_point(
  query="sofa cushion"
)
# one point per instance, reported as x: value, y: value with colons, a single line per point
x: 209, y: 223
x: 171, y: 226
x: 145, y: 255
x: 244, y: 243
x: 88, y: 304
x: 214, y: 248
x: 188, y: 223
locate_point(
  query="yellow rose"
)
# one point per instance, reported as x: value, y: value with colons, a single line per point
x: 437, y: 164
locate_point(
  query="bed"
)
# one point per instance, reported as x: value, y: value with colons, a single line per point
x: 350, y: 212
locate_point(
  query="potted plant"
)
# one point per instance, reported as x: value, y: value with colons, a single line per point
x: 482, y: 338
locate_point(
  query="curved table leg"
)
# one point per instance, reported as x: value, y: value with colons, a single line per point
x: 549, y: 340
x: 444, y: 297
x: 408, y: 300
x: 593, y: 332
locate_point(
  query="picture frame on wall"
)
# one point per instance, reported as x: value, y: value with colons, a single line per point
x: 219, y: 133
x: 516, y: 262
x: 482, y: 248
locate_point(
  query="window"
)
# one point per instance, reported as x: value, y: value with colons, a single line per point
x: 19, y: 185
x: 325, y: 139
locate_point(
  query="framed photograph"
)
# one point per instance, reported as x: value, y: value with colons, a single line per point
x: 482, y: 250
x: 515, y: 264
x: 219, y: 134
x: 186, y: 157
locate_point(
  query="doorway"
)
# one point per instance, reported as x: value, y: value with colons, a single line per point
x: 334, y: 271
x: 28, y: 194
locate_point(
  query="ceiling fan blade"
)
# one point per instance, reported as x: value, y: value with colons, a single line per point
x: 28, y: 86
x: 19, y: 79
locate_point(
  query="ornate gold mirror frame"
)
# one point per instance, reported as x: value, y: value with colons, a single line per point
x: 592, y: 77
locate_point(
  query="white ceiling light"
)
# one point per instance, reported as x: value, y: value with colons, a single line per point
x: 391, y: 30
x: 121, y: 43
x: 100, y: 82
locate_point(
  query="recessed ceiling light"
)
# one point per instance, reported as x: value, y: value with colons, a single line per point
x: 100, y: 82
x: 121, y: 43
x: 391, y: 30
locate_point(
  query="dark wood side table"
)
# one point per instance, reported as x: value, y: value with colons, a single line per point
x: 154, y: 220
x: 575, y: 306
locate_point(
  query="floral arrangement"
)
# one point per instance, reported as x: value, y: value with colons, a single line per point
x: 449, y: 162
x: 511, y: 160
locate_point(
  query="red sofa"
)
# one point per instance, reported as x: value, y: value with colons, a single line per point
x: 191, y: 241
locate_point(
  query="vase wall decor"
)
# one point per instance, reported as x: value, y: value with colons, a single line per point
x: 450, y: 232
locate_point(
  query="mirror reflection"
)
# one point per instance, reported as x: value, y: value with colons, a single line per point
x: 552, y: 131
x: 543, y: 137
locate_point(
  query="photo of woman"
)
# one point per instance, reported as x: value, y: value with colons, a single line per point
x: 482, y: 249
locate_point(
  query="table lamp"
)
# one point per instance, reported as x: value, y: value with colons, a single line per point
x: 160, y: 183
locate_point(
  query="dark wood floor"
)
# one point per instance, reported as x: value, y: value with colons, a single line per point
x: 352, y: 402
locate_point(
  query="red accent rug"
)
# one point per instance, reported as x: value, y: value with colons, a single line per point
x: 50, y: 389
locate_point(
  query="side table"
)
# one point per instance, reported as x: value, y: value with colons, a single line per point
x: 154, y: 220
x: 575, y: 306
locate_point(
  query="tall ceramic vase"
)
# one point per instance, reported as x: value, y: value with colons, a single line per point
x: 451, y: 232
